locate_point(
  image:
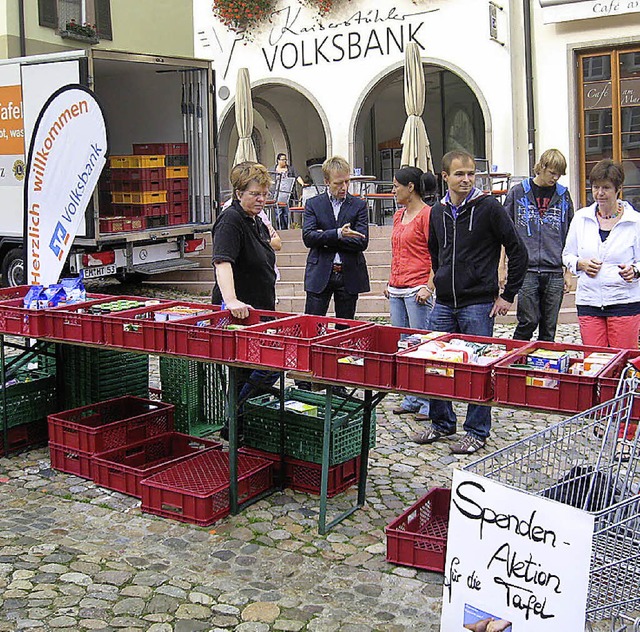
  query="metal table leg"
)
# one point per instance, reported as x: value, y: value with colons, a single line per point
x: 367, y: 406
x: 232, y: 416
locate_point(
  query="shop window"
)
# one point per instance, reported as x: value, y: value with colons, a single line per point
x: 60, y: 14
x: 610, y: 116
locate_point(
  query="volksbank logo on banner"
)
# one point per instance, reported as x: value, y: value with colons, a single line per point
x: 68, y: 151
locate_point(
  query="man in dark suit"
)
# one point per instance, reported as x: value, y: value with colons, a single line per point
x: 336, y: 231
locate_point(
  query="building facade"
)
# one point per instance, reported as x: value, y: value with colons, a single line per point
x: 334, y: 84
x: 155, y: 27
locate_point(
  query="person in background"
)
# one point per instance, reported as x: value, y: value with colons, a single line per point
x: 244, y: 260
x: 603, y: 249
x: 467, y: 230
x: 284, y: 169
x: 410, y: 288
x: 336, y: 231
x: 541, y: 209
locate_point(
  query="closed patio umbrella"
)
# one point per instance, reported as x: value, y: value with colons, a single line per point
x: 416, y: 151
x: 244, y: 118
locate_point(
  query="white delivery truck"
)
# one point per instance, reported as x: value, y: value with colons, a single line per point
x: 146, y: 99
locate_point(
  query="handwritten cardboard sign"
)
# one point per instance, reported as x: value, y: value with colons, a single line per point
x: 515, y: 562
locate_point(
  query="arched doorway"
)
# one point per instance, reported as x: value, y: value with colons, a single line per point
x: 285, y: 120
x: 452, y: 115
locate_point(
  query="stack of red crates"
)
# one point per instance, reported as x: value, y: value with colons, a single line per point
x: 138, y: 193
x: 76, y: 435
x: 176, y: 172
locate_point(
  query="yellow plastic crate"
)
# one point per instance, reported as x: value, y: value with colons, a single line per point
x: 177, y: 172
x: 144, y: 197
x: 136, y: 162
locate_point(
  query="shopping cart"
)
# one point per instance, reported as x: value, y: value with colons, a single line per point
x: 589, y: 462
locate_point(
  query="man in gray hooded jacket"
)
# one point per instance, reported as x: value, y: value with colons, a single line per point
x: 541, y: 209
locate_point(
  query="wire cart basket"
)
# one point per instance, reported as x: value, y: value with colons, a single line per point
x: 592, y: 462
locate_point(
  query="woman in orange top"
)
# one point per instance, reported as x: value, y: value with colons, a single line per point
x: 410, y: 288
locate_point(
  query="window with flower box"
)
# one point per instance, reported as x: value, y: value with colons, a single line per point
x: 610, y: 116
x: 77, y: 19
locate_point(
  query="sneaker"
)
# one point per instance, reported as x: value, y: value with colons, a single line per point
x: 430, y: 435
x: 467, y: 445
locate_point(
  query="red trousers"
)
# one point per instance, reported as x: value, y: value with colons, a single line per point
x: 620, y: 332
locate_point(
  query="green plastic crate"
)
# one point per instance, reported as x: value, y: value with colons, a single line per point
x: 93, y: 375
x: 30, y: 398
x: 198, y: 392
x: 304, y: 434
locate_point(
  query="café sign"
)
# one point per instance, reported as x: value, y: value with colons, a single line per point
x: 568, y: 10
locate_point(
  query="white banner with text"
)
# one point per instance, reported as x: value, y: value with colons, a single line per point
x: 67, y: 154
x: 515, y: 562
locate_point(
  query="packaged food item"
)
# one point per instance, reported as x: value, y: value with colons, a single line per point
x: 351, y: 359
x: 35, y: 298
x: 74, y: 289
x: 301, y: 407
x: 549, y: 360
x: 412, y: 340
x: 595, y: 361
x: 543, y: 382
x: 55, y: 295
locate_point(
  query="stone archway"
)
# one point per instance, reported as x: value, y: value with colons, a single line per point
x: 455, y: 115
x: 286, y: 118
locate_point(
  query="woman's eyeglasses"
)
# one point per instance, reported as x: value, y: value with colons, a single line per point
x: 256, y: 194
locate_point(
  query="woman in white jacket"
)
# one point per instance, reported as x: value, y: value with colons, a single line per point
x: 603, y: 249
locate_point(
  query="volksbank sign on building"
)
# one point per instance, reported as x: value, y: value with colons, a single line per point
x: 334, y: 84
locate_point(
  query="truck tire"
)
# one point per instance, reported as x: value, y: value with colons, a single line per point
x: 13, y: 272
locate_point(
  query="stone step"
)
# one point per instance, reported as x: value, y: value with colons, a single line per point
x: 299, y: 259
x: 379, y: 239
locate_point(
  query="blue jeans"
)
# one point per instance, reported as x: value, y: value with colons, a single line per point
x: 406, y: 312
x: 539, y: 301
x: 474, y: 320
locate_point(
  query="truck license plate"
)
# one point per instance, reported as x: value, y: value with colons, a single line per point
x: 99, y: 271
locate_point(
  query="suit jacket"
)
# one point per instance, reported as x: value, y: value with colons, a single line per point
x: 320, y: 235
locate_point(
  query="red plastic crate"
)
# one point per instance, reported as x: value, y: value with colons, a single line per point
x: 137, y: 186
x: 153, y: 174
x: 197, y: 490
x: 418, y: 538
x: 18, y: 320
x: 303, y: 476
x: 451, y: 380
x: 122, y: 469
x: 572, y: 394
x: 286, y: 343
x: 70, y: 460
x: 208, y: 338
x: 110, y: 424
x: 177, y: 184
x: 372, y: 351
x: 170, y: 149
x: 24, y: 436
x: 176, y: 220
x: 609, y: 378
x: 178, y: 208
x: 138, y: 329
x: 178, y: 195
x: 75, y: 323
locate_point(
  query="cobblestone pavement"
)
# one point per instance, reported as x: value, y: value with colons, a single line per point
x: 74, y: 556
